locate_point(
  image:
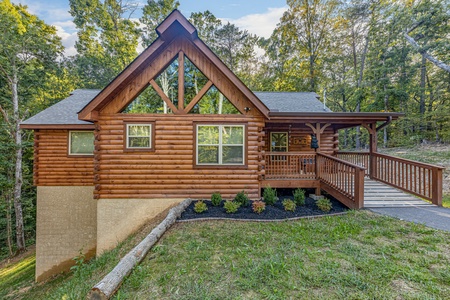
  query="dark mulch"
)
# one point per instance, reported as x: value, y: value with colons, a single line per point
x: 275, y: 212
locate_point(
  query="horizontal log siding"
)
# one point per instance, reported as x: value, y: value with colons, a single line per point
x: 52, y: 165
x: 169, y: 171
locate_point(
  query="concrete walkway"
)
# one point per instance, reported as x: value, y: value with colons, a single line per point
x: 431, y: 216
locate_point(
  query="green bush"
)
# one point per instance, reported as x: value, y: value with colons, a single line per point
x: 242, y: 199
x: 258, y: 206
x: 324, y: 204
x: 200, y: 207
x: 289, y: 205
x: 299, y: 197
x: 216, y: 198
x: 231, y: 206
x: 270, y: 195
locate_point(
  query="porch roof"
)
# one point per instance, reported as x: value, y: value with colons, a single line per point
x: 339, y: 120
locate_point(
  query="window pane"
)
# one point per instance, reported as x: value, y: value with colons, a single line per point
x: 82, y: 142
x: 139, y: 130
x: 232, y: 155
x: 233, y: 135
x: 138, y: 142
x: 208, y: 135
x: 208, y: 154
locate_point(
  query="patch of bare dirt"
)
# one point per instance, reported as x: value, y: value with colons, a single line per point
x: 31, y: 250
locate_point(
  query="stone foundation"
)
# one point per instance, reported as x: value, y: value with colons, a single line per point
x: 118, y: 218
x: 65, y: 226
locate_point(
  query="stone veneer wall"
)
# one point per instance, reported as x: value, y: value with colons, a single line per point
x: 66, y: 225
x: 118, y: 218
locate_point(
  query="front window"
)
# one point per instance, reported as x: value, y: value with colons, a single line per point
x: 278, y: 141
x: 139, y: 136
x: 220, y: 144
x: 81, y: 143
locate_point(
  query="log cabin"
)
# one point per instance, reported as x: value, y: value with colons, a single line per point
x: 177, y: 123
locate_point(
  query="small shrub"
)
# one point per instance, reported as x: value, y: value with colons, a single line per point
x: 299, y: 197
x: 289, y: 205
x: 270, y: 195
x: 324, y: 204
x: 231, y: 206
x: 258, y: 206
x: 242, y: 199
x: 200, y: 207
x: 216, y: 198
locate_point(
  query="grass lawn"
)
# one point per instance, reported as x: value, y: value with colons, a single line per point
x: 360, y: 255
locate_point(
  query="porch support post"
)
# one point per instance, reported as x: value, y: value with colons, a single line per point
x: 318, y: 130
x: 372, y: 129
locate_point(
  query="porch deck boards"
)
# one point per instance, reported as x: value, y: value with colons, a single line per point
x: 378, y: 194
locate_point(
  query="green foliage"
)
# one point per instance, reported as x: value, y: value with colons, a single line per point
x: 242, y: 199
x: 216, y: 199
x: 299, y: 197
x: 231, y: 206
x: 324, y: 204
x: 270, y: 195
x: 258, y: 206
x: 200, y: 207
x: 289, y: 205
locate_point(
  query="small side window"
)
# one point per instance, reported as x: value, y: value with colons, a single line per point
x: 81, y: 143
x: 139, y: 136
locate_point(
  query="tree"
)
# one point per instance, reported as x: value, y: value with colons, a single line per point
x: 107, y: 39
x: 153, y: 13
x: 28, y: 48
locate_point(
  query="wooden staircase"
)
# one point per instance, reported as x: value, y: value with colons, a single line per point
x: 377, y: 194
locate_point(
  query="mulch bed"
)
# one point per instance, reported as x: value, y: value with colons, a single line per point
x: 275, y: 212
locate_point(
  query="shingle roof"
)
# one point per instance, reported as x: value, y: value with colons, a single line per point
x: 66, y: 111
x: 292, y: 101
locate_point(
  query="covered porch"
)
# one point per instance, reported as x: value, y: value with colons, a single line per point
x: 339, y: 173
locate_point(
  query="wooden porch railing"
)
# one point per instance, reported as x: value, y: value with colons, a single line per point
x: 341, y: 179
x: 357, y: 158
x: 290, y: 165
x: 420, y: 179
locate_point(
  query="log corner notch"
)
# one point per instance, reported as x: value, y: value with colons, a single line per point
x: 106, y: 288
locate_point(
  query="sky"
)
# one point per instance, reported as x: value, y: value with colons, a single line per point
x: 257, y: 16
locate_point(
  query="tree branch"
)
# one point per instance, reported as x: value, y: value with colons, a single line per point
x: 435, y: 61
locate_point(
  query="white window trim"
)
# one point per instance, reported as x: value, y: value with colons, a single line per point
x: 149, y: 135
x: 69, y: 150
x: 287, y: 140
x: 220, y: 145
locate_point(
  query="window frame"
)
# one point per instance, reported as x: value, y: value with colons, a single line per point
x: 151, y: 137
x: 218, y: 165
x: 287, y: 141
x: 69, y: 144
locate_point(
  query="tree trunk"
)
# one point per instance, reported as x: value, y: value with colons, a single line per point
x: 386, y: 99
x: 111, y: 282
x: 20, y: 235
x: 422, y: 85
x: 9, y: 224
x: 220, y: 103
x: 311, y: 73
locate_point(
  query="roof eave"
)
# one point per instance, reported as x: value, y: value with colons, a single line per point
x: 57, y: 126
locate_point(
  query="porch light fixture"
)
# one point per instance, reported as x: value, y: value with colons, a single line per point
x: 314, y: 142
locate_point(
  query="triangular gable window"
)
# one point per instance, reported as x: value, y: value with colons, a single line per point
x: 198, y: 94
x: 214, y: 102
x: 147, y: 102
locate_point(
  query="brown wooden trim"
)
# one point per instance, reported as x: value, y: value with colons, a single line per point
x: 57, y: 126
x: 194, y: 150
x: 153, y: 135
x: 78, y: 155
x: 163, y: 96
x: 197, y: 97
x: 181, y: 81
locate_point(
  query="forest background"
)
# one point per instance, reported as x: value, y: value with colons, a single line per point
x: 359, y: 55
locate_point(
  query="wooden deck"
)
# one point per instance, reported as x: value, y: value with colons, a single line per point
x: 345, y: 176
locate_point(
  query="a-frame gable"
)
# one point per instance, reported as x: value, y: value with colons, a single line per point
x: 177, y: 37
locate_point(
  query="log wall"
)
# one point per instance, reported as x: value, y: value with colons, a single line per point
x: 297, y: 135
x: 52, y: 164
x: 169, y: 170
